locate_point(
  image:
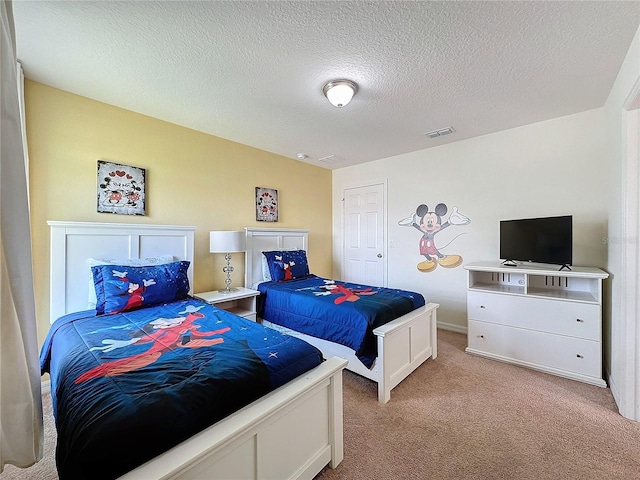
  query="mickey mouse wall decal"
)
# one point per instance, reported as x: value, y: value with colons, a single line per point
x: 429, y: 223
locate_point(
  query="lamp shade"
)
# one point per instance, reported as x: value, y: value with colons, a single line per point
x: 225, y: 241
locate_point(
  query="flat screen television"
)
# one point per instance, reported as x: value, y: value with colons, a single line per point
x: 540, y: 240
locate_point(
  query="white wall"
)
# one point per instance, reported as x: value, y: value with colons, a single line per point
x: 550, y: 168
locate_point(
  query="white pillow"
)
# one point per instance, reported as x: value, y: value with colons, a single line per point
x: 266, y: 274
x: 128, y: 262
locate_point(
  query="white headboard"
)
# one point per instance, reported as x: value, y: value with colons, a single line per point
x: 265, y: 239
x: 72, y: 243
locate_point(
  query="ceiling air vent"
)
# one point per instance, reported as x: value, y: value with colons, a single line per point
x: 331, y: 159
x: 440, y: 132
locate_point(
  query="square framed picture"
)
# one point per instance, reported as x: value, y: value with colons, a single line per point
x: 121, y: 189
x: 266, y: 204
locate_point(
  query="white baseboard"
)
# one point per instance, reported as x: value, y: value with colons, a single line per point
x: 452, y: 327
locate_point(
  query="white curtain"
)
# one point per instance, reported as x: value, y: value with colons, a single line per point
x: 21, y: 432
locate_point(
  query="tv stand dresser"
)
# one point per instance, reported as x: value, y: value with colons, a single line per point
x: 537, y: 317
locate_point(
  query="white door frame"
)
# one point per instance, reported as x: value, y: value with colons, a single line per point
x: 385, y: 232
x: 628, y: 341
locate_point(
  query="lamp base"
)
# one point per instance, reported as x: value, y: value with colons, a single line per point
x: 228, y: 269
x: 229, y: 290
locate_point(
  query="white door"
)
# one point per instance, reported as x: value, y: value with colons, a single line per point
x: 363, y: 235
x: 625, y: 333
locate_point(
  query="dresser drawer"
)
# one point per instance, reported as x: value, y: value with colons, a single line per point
x: 536, y: 349
x: 580, y: 320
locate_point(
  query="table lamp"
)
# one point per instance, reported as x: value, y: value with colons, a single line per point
x: 227, y: 242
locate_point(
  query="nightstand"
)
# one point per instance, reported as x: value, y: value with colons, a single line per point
x: 242, y: 302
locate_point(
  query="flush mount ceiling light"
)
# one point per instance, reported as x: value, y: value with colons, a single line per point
x: 339, y: 92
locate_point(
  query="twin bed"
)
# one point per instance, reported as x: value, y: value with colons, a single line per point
x: 291, y: 432
x: 400, y: 346
x: 213, y: 395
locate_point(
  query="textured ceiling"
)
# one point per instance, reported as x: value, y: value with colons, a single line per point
x: 253, y: 72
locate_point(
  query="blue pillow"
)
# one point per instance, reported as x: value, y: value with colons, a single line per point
x: 281, y: 261
x: 282, y: 272
x: 120, y: 288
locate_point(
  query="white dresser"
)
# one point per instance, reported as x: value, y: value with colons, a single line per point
x: 537, y: 317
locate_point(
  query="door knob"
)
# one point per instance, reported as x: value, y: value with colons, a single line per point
x: 379, y: 255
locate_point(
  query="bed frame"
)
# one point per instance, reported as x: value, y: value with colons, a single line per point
x: 290, y: 433
x: 403, y: 344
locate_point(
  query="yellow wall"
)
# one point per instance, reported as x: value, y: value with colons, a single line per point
x: 192, y: 179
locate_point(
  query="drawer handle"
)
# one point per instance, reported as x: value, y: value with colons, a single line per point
x: 579, y: 356
x: 480, y: 336
x: 481, y: 306
x: 579, y: 320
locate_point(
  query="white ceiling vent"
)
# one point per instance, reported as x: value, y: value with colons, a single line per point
x: 331, y: 159
x: 440, y: 133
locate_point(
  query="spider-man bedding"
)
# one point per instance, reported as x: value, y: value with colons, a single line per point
x: 340, y: 312
x: 128, y: 386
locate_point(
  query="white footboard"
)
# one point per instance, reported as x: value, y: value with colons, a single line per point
x: 403, y: 345
x: 290, y: 433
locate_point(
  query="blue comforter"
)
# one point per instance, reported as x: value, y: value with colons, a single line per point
x: 129, y: 386
x: 340, y: 312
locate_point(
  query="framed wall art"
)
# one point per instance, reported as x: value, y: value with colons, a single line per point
x: 266, y: 204
x: 121, y: 189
